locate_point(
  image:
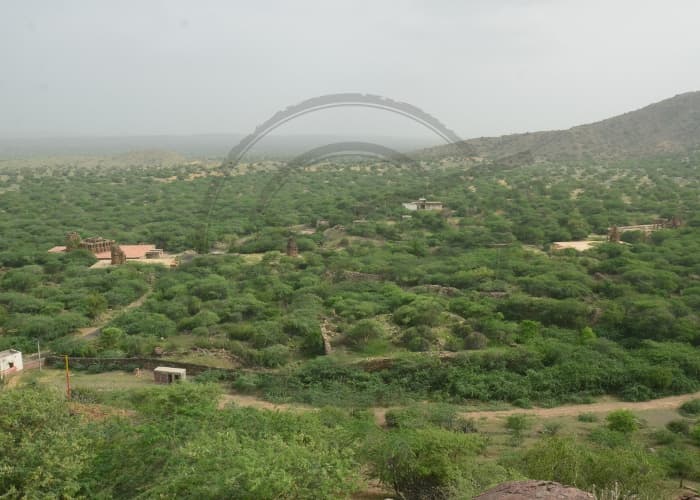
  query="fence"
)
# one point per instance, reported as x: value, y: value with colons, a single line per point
x: 131, y: 363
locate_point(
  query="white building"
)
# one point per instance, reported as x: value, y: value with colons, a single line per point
x: 423, y: 204
x: 168, y: 375
x: 10, y: 362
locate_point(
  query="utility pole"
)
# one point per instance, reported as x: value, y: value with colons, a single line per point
x: 38, y: 350
x: 67, y: 380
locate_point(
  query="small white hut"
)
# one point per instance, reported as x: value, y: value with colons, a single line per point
x: 10, y: 362
x: 168, y: 375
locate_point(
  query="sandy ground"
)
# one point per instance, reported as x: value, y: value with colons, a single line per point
x: 166, y: 260
x: 576, y: 245
x: 254, y: 402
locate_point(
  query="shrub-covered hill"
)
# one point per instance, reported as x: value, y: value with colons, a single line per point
x: 669, y: 126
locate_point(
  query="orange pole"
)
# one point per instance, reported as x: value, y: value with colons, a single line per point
x: 67, y: 380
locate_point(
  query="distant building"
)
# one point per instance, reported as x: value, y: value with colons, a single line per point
x: 423, y: 204
x: 10, y: 362
x: 614, y: 232
x: 292, y: 250
x: 168, y: 375
x: 118, y: 255
x: 579, y: 246
x: 102, y: 248
x: 156, y: 253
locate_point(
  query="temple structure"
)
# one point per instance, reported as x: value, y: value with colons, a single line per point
x: 118, y: 255
x: 292, y: 250
x: 109, y: 250
x: 614, y: 232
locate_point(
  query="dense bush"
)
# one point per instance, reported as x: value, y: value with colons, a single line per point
x: 691, y: 407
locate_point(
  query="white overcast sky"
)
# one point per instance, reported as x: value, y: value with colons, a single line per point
x: 145, y: 67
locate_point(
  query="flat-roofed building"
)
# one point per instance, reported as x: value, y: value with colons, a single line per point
x: 423, y: 204
x: 168, y: 374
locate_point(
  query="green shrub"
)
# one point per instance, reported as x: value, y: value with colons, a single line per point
x: 622, y: 421
x: 695, y: 434
x: 637, y: 392
x: 475, y: 341
x: 679, y: 427
x: 423, y: 463
x: 522, y: 403
x: 517, y: 424
x: 212, y: 375
x: 551, y: 428
x: 425, y: 416
x: 246, y: 382
x: 274, y: 356
x: 607, y: 437
x: 587, y: 417
x: 364, y: 331
x: 691, y: 407
x: 664, y: 437
x: 629, y: 469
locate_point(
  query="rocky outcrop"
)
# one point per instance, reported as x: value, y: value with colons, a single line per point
x: 525, y: 490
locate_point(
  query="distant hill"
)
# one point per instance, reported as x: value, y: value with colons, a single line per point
x: 669, y: 126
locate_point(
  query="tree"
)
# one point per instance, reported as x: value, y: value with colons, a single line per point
x: 424, y: 463
x: 681, y: 463
x: 44, y: 451
x: 517, y: 424
x: 95, y: 303
x: 110, y: 338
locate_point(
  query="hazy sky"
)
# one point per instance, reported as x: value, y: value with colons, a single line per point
x: 191, y: 67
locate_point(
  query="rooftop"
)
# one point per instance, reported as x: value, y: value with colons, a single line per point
x: 576, y: 245
x: 131, y: 252
x: 169, y: 369
x: 8, y: 352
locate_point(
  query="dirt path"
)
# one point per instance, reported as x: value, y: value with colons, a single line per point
x: 671, y: 402
x: 255, y: 402
x: 91, y: 332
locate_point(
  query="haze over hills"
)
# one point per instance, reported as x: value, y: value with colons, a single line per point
x: 669, y: 126
x: 189, y: 146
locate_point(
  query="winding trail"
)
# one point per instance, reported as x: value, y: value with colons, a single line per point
x: 91, y: 332
x: 671, y: 402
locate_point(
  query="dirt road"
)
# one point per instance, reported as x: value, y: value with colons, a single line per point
x: 671, y: 402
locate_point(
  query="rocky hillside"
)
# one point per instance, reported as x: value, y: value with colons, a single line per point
x: 669, y: 126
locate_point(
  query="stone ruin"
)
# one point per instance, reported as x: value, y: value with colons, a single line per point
x: 614, y: 232
x: 118, y: 255
x: 72, y: 240
x: 95, y: 244
x: 292, y: 250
